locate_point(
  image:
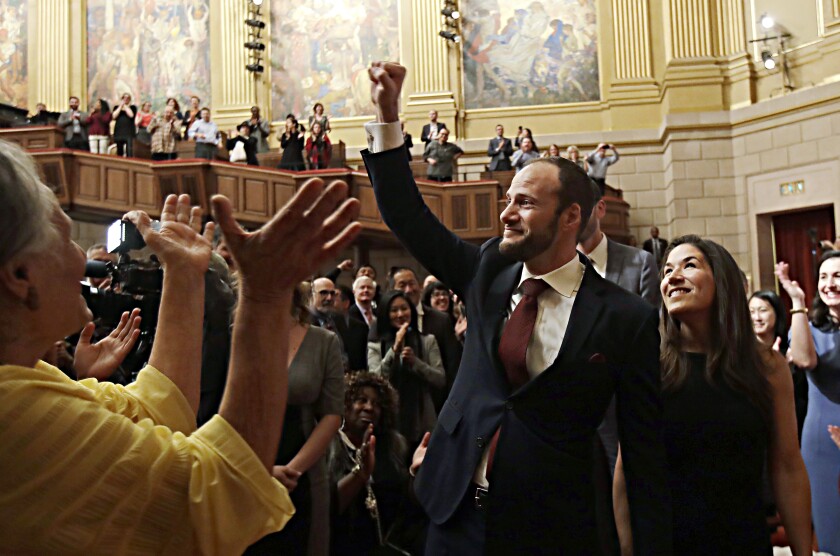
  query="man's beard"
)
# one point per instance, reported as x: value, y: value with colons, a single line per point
x: 530, y: 245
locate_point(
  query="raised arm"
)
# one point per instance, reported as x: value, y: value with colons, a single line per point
x: 400, y: 203
x: 802, y: 352
x: 314, y: 226
x: 185, y: 256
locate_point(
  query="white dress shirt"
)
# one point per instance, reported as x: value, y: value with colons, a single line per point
x: 598, y: 256
x: 554, y: 307
x: 554, y: 304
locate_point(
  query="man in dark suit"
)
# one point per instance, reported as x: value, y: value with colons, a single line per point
x: 434, y: 322
x: 431, y: 129
x: 542, y: 378
x: 499, y: 151
x: 655, y: 246
x: 353, y: 332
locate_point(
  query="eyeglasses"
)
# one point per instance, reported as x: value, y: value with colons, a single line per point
x: 325, y: 293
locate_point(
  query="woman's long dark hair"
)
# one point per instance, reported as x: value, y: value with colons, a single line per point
x: 780, y: 328
x: 384, y: 329
x: 733, y: 354
x: 105, y: 106
x: 820, y: 315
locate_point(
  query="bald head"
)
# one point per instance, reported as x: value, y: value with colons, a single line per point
x: 323, y: 293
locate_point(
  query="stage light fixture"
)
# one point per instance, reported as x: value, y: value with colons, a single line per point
x: 767, y: 21
x: 254, y: 45
x: 450, y: 12
x: 257, y: 2
x: 767, y: 59
x: 255, y: 23
x: 256, y: 68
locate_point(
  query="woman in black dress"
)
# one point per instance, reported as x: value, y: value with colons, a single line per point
x: 728, y: 405
x: 291, y: 141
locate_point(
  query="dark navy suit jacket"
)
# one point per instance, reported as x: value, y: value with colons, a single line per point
x: 541, y: 489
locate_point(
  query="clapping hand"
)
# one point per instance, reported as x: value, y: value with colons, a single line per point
x: 177, y: 244
x: 368, y: 453
x: 399, y: 339
x: 314, y: 226
x: 790, y: 286
x: 101, y: 359
x: 419, y: 454
x: 407, y: 356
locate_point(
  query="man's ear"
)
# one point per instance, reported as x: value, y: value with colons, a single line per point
x: 14, y: 278
x: 601, y: 208
x: 570, y: 218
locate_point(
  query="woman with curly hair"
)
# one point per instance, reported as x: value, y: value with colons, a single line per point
x: 727, y: 410
x: 368, y: 471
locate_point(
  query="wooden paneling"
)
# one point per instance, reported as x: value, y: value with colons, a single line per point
x: 116, y: 186
x: 256, y: 197
x: 34, y: 137
x: 110, y: 186
x: 146, y: 195
x: 89, y: 186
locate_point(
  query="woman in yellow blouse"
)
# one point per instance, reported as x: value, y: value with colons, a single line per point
x: 94, y: 468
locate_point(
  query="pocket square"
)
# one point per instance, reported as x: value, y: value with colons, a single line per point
x: 597, y: 358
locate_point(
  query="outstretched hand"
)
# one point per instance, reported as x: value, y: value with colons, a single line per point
x: 178, y: 243
x: 792, y: 287
x: 101, y: 359
x: 313, y: 227
x: 386, y: 84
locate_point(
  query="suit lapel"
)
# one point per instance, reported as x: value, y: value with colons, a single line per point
x: 615, y: 263
x: 585, y: 311
x: 496, y: 305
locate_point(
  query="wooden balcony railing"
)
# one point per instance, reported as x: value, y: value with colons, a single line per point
x: 101, y: 187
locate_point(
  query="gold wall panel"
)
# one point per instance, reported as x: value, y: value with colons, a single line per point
x: 690, y: 29
x: 89, y: 182
x: 430, y: 65
x: 631, y: 33
x: 729, y: 18
x: 50, y: 71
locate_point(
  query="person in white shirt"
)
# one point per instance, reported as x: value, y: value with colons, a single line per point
x: 509, y: 466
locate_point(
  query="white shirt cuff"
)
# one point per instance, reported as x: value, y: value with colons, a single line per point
x: 383, y: 137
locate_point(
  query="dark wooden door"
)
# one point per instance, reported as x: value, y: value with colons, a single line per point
x: 797, y: 236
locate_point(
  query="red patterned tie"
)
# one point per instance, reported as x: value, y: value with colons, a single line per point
x: 514, y: 344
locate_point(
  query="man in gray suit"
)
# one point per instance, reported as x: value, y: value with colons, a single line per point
x: 634, y: 270
x: 74, y: 123
x: 499, y: 151
x: 631, y: 268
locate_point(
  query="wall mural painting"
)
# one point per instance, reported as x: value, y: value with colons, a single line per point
x: 523, y: 52
x: 153, y: 49
x: 13, y: 43
x: 321, y: 50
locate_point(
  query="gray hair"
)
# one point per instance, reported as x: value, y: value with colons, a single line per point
x: 26, y: 205
x: 357, y: 280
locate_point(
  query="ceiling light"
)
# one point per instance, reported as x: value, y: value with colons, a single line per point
x: 767, y: 58
x: 449, y: 12
x: 257, y: 2
x: 767, y: 21
x: 256, y: 68
x: 255, y: 23
x: 450, y: 36
x: 254, y: 45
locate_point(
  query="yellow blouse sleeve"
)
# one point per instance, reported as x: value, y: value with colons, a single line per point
x: 78, y: 477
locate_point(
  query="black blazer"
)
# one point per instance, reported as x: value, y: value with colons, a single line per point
x: 499, y: 160
x: 424, y: 136
x: 648, y: 246
x: 440, y: 326
x: 354, y: 336
x: 541, y: 489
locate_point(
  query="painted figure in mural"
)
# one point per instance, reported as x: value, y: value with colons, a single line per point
x: 13, y: 76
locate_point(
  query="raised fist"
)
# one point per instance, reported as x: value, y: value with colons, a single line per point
x: 386, y: 83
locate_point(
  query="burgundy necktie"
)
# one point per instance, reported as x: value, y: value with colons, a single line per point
x: 514, y: 343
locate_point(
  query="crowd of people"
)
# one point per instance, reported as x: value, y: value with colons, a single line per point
x: 124, y: 125
x: 550, y: 391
